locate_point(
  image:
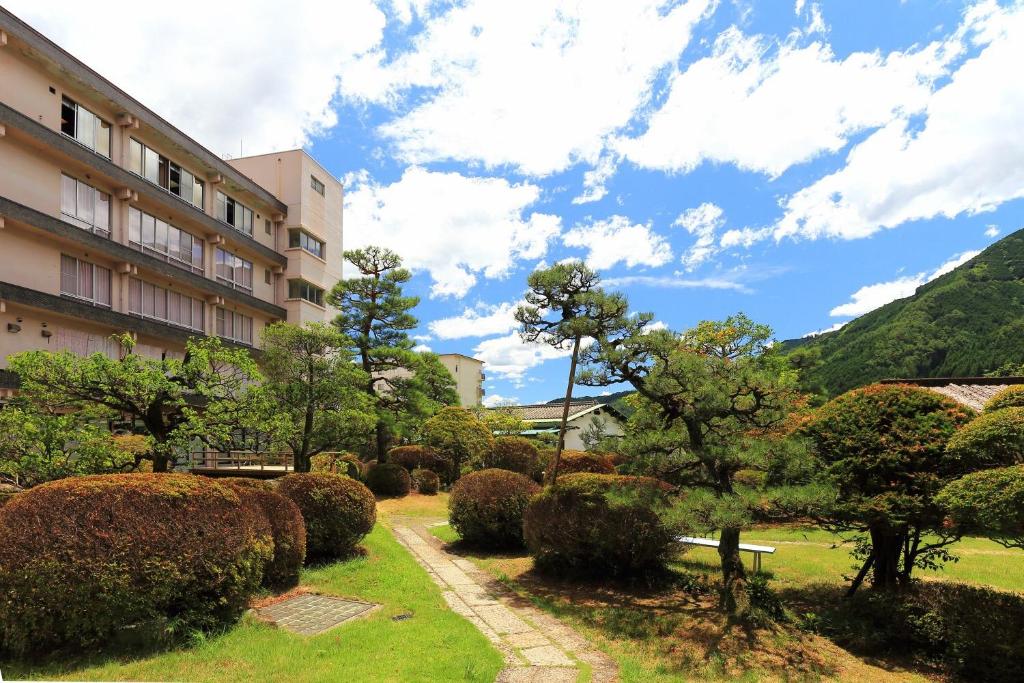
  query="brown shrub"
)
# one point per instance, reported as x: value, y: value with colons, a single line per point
x: 583, y: 461
x: 486, y: 507
x: 287, y: 528
x: 388, y: 479
x: 512, y: 453
x: 338, y: 511
x: 426, y: 482
x: 419, y: 457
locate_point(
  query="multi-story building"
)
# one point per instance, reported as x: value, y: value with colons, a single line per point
x: 113, y: 220
x: 469, y: 377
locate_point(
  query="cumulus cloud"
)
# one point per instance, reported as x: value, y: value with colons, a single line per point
x: 509, y: 357
x: 221, y: 72
x: 482, y: 320
x: 702, y: 222
x: 675, y: 282
x: 497, y: 400
x: 831, y: 328
x: 618, y: 240
x: 421, y: 348
x: 594, y: 181
x: 992, y: 231
x: 456, y: 227
x: 537, y: 86
x: 870, y: 297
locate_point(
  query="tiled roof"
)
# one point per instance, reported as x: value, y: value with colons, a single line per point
x: 552, y: 411
x: 973, y: 392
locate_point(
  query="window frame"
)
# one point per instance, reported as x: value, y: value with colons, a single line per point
x: 97, y: 275
x: 140, y: 290
x: 238, y: 321
x: 96, y: 195
x: 318, y: 185
x: 232, y: 264
x: 141, y: 157
x: 77, y: 124
x: 234, y: 213
x: 136, y: 240
x: 304, y: 240
x: 305, y: 289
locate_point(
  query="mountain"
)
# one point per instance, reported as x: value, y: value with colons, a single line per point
x: 614, y: 399
x: 967, y: 322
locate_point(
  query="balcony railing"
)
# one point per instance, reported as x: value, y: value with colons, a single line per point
x: 242, y: 461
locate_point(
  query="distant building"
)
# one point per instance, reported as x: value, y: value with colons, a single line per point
x: 469, y: 377
x: 544, y: 418
x: 973, y: 392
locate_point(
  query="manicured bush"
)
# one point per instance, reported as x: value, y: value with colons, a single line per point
x: 512, y: 453
x: 988, y: 503
x: 426, y: 482
x: 582, y: 461
x: 338, y: 511
x: 88, y: 560
x: 388, y: 479
x: 460, y: 436
x: 419, y: 457
x: 336, y: 463
x: 286, y: 526
x: 991, y: 440
x: 1010, y: 397
x: 486, y: 507
x: 600, y: 524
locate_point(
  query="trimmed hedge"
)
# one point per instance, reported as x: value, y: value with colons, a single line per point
x: 245, y: 482
x: 512, y: 453
x: 338, y: 511
x: 88, y: 560
x: 419, y: 458
x: 336, y: 463
x: 388, y: 479
x: 572, y: 462
x: 426, y: 482
x: 599, y: 524
x: 1010, y: 397
x: 991, y: 440
x: 286, y: 526
x: 988, y: 503
x: 486, y: 507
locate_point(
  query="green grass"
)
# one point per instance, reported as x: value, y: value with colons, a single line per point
x: 445, y: 532
x: 434, y: 645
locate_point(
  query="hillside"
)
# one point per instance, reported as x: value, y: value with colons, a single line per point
x: 968, y: 322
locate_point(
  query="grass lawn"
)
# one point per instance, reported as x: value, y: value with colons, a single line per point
x: 434, y: 645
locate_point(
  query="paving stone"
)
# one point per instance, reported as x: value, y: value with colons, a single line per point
x: 502, y: 620
x: 528, y: 639
x: 546, y: 655
x: 311, y: 614
x: 537, y: 674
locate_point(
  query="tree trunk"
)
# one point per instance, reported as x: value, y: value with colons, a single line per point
x: 886, y: 547
x: 859, y: 579
x: 734, y: 576
x: 565, y: 412
x: 382, y: 442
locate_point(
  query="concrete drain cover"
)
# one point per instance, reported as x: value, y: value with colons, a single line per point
x: 309, y: 615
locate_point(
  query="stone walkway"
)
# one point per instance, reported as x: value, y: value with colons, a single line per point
x: 537, y: 647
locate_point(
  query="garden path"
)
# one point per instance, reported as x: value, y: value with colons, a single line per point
x: 536, y: 646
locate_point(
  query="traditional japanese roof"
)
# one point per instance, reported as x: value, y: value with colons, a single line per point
x: 550, y: 412
x: 973, y: 392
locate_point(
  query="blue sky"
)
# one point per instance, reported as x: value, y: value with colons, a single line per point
x: 802, y: 162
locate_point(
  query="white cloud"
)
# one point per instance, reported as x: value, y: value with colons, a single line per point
x: 765, y: 106
x: 870, y: 297
x: 510, y: 358
x: 964, y: 160
x: 594, y: 181
x: 220, y: 72
x: 674, y: 282
x: 616, y: 240
x: 481, y: 321
x: 832, y: 328
x: 992, y: 231
x: 454, y: 226
x: 701, y: 222
x: 535, y: 85
x: 655, y: 326
x: 496, y: 400
x: 422, y: 337
x: 421, y: 348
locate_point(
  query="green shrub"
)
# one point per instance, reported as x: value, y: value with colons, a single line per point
x: 512, y: 453
x: 988, y: 503
x: 336, y: 463
x: 1010, y: 397
x: 991, y: 440
x: 338, y: 511
x: 426, y: 482
x: 88, y: 560
x: 287, y: 529
x: 486, y: 507
x: 572, y: 462
x: 419, y: 457
x: 600, y: 524
x: 389, y: 479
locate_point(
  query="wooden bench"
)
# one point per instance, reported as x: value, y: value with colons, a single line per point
x: 757, y: 550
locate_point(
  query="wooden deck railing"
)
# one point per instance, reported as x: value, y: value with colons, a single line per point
x: 242, y: 460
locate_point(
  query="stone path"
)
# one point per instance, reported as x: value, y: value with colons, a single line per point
x: 311, y: 614
x: 537, y: 647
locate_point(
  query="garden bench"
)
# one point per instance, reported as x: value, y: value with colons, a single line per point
x: 758, y: 550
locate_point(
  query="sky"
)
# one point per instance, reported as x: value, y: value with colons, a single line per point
x: 802, y: 162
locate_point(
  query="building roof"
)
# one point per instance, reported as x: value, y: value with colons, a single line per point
x: 548, y: 412
x: 973, y: 392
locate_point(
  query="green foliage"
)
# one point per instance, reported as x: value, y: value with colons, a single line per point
x: 502, y: 421
x: 1010, y: 397
x: 287, y: 529
x: 211, y: 395
x: 991, y: 440
x: 338, y: 512
x: 420, y: 457
x: 426, y: 482
x: 601, y: 524
x: 486, y: 507
x: 166, y: 554
x: 457, y: 434
x: 388, y: 479
x: 316, y: 390
x: 988, y: 503
x: 337, y: 463
x: 512, y: 453
x: 964, y: 323
x: 883, y: 448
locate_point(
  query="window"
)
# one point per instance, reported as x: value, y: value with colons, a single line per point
x: 317, y: 186
x: 299, y: 239
x: 151, y: 235
x: 234, y: 326
x: 233, y: 213
x: 150, y: 301
x: 266, y: 275
x: 300, y: 289
x: 84, y: 205
x: 165, y: 173
x: 82, y: 125
x: 267, y: 227
x: 84, y: 280
x: 233, y: 270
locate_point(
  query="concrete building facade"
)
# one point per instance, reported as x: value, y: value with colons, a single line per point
x: 469, y: 377
x: 112, y: 220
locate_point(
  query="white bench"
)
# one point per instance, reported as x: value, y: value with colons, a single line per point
x: 758, y: 550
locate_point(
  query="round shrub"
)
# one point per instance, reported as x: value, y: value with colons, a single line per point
x: 599, y: 524
x: 336, y: 463
x: 426, y: 482
x: 1010, y: 397
x: 388, y: 479
x: 287, y: 529
x: 582, y: 461
x: 988, y: 503
x: 419, y: 457
x: 512, y: 453
x: 486, y: 507
x: 364, y: 468
x: 7, y: 492
x: 88, y: 560
x: 990, y: 440
x: 246, y: 482
x: 338, y: 511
